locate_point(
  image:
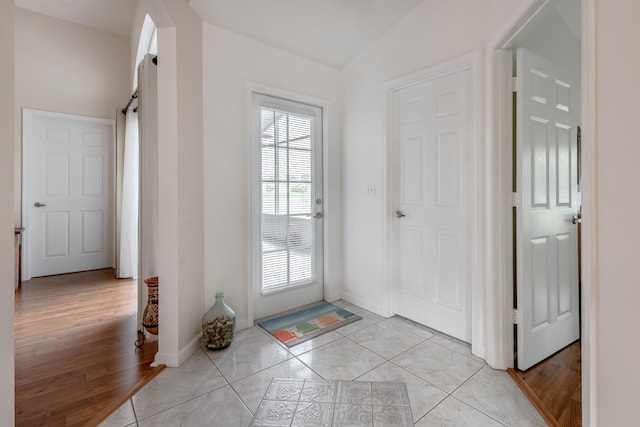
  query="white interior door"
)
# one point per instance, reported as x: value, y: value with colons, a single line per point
x: 547, y: 240
x: 288, y: 200
x: 432, y: 203
x: 68, y: 199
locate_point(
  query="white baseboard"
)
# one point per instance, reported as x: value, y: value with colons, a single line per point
x: 242, y: 324
x: 174, y: 360
x: 362, y: 303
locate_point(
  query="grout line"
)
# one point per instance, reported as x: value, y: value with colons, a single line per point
x: 479, y: 410
x: 135, y: 415
x: 242, y: 400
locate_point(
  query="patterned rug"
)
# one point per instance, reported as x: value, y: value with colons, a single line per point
x: 296, y: 402
x: 300, y: 326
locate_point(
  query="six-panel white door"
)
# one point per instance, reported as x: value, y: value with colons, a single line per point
x: 68, y: 198
x: 431, y: 203
x: 546, y: 238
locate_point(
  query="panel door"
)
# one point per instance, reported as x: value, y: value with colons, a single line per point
x: 69, y: 200
x: 547, y: 239
x: 431, y: 191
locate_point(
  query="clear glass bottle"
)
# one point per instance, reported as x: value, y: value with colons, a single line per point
x: 218, y: 324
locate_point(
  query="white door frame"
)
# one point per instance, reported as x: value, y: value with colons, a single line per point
x: 499, y: 173
x: 27, y: 138
x: 330, y: 286
x: 476, y: 288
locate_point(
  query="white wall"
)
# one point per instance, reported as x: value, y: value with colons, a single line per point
x: 553, y: 39
x: 68, y: 68
x: 6, y: 213
x: 180, y: 168
x: 617, y: 235
x: 230, y: 61
x: 433, y: 33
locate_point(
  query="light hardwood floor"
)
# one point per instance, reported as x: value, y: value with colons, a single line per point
x: 75, y: 356
x: 554, y: 387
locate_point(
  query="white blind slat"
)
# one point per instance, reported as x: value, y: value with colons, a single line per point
x: 287, y: 223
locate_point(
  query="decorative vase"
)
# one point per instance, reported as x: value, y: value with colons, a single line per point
x: 150, y: 315
x: 218, y: 324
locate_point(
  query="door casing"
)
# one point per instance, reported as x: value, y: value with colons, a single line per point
x: 499, y: 173
x: 331, y: 220
x: 292, y: 296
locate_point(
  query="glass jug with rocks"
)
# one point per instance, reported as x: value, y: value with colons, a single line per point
x: 218, y: 324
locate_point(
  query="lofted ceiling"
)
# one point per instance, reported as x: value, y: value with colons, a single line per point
x: 331, y: 32
x: 115, y: 16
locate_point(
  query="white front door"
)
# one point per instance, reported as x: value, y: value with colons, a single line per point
x: 548, y: 198
x: 287, y: 205
x: 432, y: 188
x: 68, y: 195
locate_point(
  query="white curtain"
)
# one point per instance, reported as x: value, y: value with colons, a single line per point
x: 148, y: 128
x: 128, y: 262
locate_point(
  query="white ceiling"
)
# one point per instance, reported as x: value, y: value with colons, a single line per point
x: 569, y: 11
x: 115, y: 16
x: 331, y: 32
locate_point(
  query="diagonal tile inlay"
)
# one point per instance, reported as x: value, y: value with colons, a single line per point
x: 334, y: 403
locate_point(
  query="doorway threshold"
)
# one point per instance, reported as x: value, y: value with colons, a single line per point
x: 554, y: 386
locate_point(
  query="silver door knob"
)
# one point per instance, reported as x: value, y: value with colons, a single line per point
x: 576, y: 219
x: 39, y: 205
x: 400, y: 214
x: 318, y: 215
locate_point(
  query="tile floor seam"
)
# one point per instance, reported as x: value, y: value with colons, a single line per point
x: 241, y: 400
x: 405, y: 330
x: 254, y: 373
x: 479, y: 410
x: 135, y: 414
x: 418, y: 376
x: 315, y: 348
x: 309, y: 367
x: 455, y: 340
x: 392, y: 325
x: 447, y: 394
x: 468, y: 379
x: 450, y: 349
x: 368, y: 349
x: 433, y: 332
x: 182, y: 403
x: 469, y: 404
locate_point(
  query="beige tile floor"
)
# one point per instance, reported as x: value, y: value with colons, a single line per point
x: 446, y: 384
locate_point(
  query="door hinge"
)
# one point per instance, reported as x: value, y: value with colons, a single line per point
x: 515, y: 84
x: 515, y: 316
x: 515, y: 200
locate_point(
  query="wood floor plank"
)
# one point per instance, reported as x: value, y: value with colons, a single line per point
x: 554, y: 387
x: 74, y: 348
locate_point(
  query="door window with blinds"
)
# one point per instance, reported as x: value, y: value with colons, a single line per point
x: 287, y: 196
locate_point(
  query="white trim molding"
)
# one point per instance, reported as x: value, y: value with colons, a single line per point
x: 589, y: 203
x: 174, y: 360
x: 498, y: 174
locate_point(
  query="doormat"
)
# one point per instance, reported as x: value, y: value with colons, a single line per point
x: 308, y: 323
